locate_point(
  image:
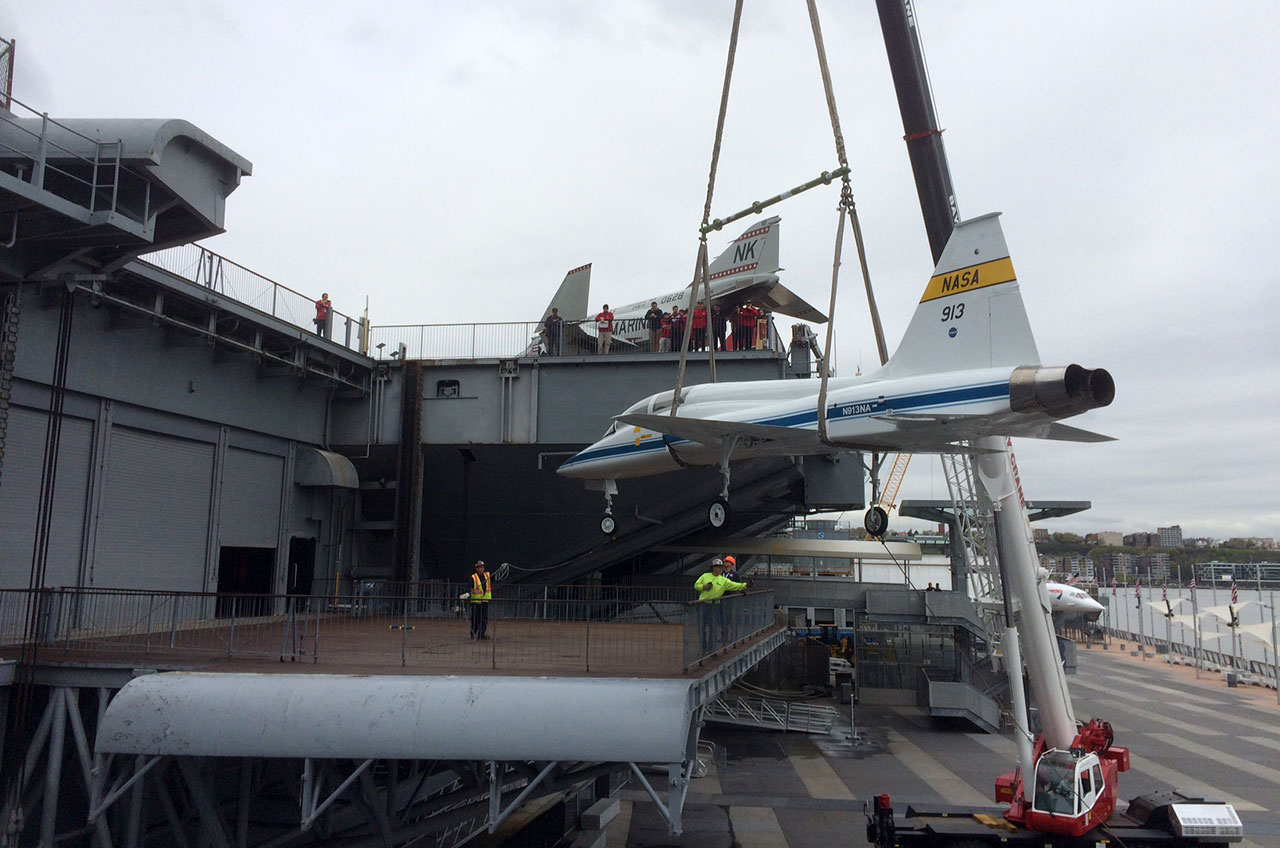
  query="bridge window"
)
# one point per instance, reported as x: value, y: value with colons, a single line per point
x: 448, y: 388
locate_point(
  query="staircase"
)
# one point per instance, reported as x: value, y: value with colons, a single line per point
x: 772, y: 713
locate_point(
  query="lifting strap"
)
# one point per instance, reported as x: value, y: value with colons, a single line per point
x: 700, y: 269
x: 849, y: 207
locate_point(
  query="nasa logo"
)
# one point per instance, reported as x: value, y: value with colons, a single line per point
x: 952, y: 332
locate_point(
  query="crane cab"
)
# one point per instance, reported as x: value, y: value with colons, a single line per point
x: 1074, y: 792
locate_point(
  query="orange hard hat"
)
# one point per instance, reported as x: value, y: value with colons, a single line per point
x: 729, y: 560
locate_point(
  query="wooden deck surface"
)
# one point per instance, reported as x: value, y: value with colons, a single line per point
x: 385, y: 645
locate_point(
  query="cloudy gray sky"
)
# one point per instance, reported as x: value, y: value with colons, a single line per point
x: 450, y: 161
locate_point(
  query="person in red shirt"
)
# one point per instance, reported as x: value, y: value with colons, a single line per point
x: 738, y: 341
x: 750, y: 315
x: 699, y: 327
x: 664, y: 339
x: 604, y: 330
x: 323, y: 306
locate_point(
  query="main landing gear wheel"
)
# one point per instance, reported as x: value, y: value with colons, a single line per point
x: 608, y: 525
x: 718, y: 513
x: 876, y: 521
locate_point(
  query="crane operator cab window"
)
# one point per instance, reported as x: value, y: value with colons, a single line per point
x: 1067, y: 786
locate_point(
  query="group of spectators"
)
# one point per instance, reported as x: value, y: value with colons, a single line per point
x: 740, y: 328
x: 667, y: 329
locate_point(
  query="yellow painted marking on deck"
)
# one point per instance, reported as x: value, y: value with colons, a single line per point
x: 820, y: 779
x: 756, y: 827
x: 950, y: 786
x: 964, y: 280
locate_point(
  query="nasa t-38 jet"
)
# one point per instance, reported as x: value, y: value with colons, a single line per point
x: 967, y: 367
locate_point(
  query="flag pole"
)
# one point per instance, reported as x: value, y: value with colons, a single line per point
x: 1195, y: 623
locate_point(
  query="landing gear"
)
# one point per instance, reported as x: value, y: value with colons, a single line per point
x: 607, y: 522
x: 876, y: 522
x: 718, y: 513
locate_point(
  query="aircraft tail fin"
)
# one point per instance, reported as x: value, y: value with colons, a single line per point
x: 971, y: 315
x: 572, y: 296
x: 753, y: 253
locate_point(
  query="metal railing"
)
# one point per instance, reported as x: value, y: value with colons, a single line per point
x: 524, y: 338
x: 1209, y: 659
x: 92, y: 177
x: 420, y: 626
x: 772, y: 713
x: 201, y: 265
x: 717, y: 626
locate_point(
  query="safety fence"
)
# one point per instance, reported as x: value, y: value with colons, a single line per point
x: 529, y: 338
x: 422, y: 627
x: 1263, y: 672
x: 201, y: 265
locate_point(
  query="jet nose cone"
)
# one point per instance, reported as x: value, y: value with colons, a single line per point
x: 572, y: 467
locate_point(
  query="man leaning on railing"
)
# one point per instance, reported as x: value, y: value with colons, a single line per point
x: 711, y: 587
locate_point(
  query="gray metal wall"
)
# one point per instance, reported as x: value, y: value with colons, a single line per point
x: 559, y: 399
x: 171, y: 449
x: 20, y: 496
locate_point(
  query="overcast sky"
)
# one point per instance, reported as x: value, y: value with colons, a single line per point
x: 450, y: 161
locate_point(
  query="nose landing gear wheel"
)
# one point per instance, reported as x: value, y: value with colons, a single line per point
x: 876, y: 521
x: 608, y: 525
x: 718, y: 513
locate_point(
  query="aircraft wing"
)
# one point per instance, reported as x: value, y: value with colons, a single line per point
x: 1066, y: 433
x: 775, y: 297
x: 785, y: 440
x: 956, y: 427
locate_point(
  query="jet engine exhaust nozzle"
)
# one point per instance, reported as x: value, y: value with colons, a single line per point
x: 1060, y: 392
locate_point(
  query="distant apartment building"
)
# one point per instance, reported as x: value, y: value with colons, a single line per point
x: 1117, y: 566
x: 1152, y: 568
x: 1246, y: 574
x: 1170, y: 537
x: 1109, y: 538
x: 1040, y: 534
x: 1142, y: 540
x: 1069, y: 565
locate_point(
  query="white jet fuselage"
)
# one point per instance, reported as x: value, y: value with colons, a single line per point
x: 871, y: 412
x: 1066, y: 598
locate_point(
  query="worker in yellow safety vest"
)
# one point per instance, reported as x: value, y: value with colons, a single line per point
x: 481, y: 594
x: 711, y: 587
